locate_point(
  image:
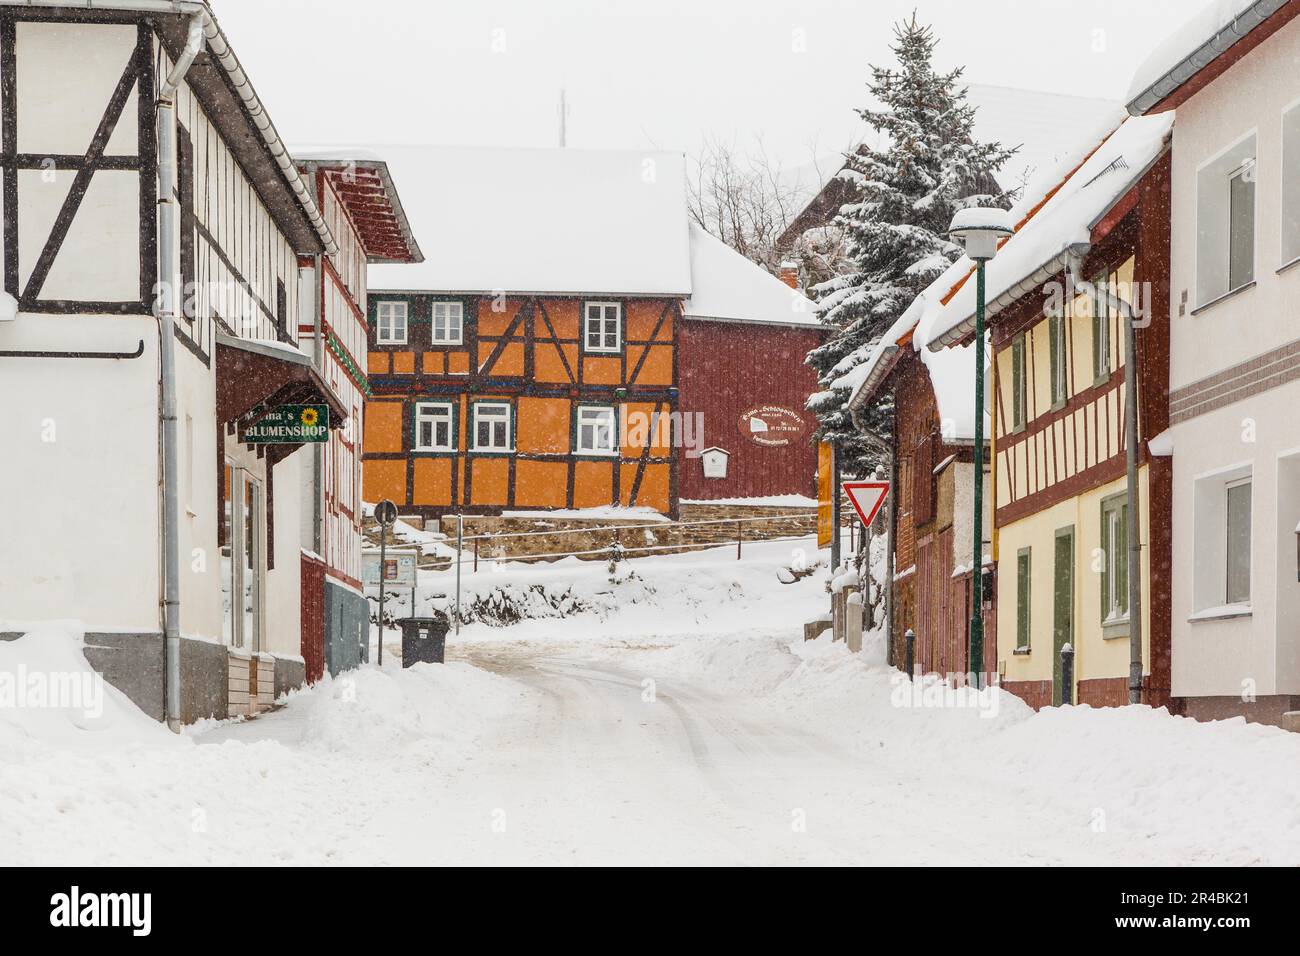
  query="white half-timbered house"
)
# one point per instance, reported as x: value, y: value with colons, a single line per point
x: 87, y: 522
x: 356, y: 196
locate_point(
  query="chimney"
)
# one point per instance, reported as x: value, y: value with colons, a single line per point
x: 789, y: 273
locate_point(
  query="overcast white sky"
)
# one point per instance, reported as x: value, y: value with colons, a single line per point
x: 651, y: 73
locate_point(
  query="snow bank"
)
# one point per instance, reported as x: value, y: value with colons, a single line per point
x: 435, y: 710
x: 670, y: 594
x: 50, y: 696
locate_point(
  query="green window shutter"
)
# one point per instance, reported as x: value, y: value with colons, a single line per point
x: 1022, y: 599
x: 1018, y: 382
x: 1053, y: 333
x: 1096, y: 340
x: 1121, y: 557
x: 1106, y: 545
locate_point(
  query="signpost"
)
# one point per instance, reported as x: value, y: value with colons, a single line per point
x: 386, y: 515
x: 867, y: 498
x: 289, y: 424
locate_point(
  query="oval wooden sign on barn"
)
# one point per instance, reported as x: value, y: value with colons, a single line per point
x: 772, y: 425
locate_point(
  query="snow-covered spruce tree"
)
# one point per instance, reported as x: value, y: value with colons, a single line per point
x: 896, y: 228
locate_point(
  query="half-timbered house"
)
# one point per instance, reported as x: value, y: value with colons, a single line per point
x: 933, y: 475
x: 535, y: 360
x: 358, y: 200
x: 1093, y: 248
x: 87, y: 528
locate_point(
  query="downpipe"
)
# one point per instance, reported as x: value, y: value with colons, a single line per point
x: 167, y: 296
x: 1077, y: 253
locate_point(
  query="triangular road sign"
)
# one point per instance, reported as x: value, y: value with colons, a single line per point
x: 867, y: 497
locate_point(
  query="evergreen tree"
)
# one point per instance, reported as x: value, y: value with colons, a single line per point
x: 896, y: 228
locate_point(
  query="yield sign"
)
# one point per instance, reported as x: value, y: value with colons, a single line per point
x: 867, y: 497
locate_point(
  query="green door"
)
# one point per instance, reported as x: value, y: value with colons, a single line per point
x: 1062, y: 605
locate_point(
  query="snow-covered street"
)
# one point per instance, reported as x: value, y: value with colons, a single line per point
x: 632, y: 736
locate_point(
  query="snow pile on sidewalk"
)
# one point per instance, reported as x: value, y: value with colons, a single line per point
x: 50, y: 695
x: 345, y: 772
x: 436, y: 710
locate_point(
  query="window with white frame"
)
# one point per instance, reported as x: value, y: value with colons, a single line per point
x: 435, y: 426
x: 390, y: 323
x: 1222, y: 542
x: 597, y: 430
x: 1225, y: 222
x: 1114, y: 571
x: 1291, y: 184
x: 491, y: 426
x: 1241, y: 226
x: 1237, y: 508
x: 602, y: 327
x: 448, y: 322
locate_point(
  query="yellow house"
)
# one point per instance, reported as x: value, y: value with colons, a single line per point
x: 1057, y: 408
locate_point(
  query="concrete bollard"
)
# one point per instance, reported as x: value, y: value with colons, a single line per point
x: 853, y: 622
x: 837, y: 615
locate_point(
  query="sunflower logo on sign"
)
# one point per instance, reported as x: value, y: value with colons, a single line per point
x: 309, y: 417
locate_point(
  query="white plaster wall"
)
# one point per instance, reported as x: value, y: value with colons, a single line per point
x: 200, y: 556
x: 284, y: 582
x: 78, y: 488
x: 1215, y: 657
x: 1250, y: 96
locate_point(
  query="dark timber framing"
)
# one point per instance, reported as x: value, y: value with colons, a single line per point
x: 532, y: 326
x: 138, y: 75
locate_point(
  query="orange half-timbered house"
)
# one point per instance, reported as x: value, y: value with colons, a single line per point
x: 483, y: 405
x: 573, y: 342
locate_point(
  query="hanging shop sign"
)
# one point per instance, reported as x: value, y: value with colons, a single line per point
x: 291, y: 425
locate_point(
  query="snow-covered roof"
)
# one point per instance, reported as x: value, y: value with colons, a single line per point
x: 1086, y: 171
x: 1197, y: 43
x: 552, y: 221
x: 727, y: 286
x: 1066, y: 218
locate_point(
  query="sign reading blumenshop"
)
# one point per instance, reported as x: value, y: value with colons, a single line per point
x: 290, y: 424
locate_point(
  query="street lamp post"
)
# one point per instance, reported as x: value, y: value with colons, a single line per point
x: 979, y: 229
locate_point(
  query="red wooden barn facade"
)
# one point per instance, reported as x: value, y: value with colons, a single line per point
x: 741, y: 372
